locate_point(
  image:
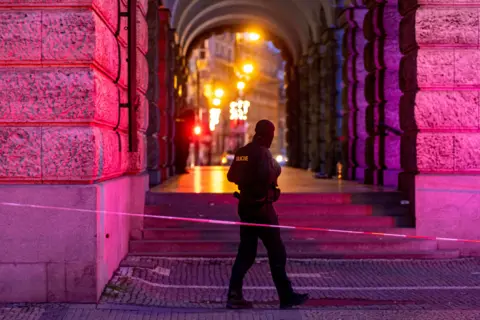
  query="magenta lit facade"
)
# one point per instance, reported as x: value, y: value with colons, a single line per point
x: 412, y: 64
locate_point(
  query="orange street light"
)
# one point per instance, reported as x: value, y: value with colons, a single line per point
x: 248, y: 68
x: 216, y: 102
x: 240, y: 85
x: 253, y: 36
x: 219, y: 93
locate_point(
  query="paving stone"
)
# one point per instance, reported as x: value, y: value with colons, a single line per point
x: 399, y: 284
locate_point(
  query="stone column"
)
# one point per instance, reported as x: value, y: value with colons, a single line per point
x: 316, y: 122
x: 292, y: 110
x: 373, y: 107
x: 382, y: 60
x: 64, y: 143
x: 156, y: 80
x: 341, y: 110
x: 353, y: 87
x: 164, y: 74
x: 174, y: 54
x: 328, y: 105
x: 440, y: 117
x: 304, y: 112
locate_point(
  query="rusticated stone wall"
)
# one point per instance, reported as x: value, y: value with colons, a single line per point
x: 440, y: 116
x: 64, y: 75
x: 353, y: 88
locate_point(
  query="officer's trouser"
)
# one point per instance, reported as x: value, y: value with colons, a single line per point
x: 247, y: 250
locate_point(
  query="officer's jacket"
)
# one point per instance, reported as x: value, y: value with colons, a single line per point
x: 254, y: 170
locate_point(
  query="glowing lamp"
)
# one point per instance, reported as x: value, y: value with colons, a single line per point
x: 240, y: 85
x: 216, y: 102
x: 248, y: 68
x: 197, y: 130
x: 219, y: 93
x: 252, y: 36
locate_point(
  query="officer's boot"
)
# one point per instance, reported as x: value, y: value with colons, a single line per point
x: 236, y: 301
x: 295, y: 299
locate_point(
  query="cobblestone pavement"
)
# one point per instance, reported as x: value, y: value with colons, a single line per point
x: 332, y: 284
x: 175, y: 289
x: 108, y: 312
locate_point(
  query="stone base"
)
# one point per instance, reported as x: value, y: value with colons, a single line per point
x: 360, y: 174
x: 449, y: 206
x: 390, y: 177
x: 155, y: 177
x: 52, y: 255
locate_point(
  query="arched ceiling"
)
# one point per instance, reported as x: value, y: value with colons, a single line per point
x: 295, y: 22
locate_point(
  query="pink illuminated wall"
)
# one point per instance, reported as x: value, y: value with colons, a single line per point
x: 64, y: 73
x: 63, y: 76
x: 440, y: 80
x: 447, y: 104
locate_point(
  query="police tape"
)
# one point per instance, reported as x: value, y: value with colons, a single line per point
x: 247, y: 224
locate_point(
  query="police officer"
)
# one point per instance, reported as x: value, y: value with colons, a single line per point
x: 255, y: 172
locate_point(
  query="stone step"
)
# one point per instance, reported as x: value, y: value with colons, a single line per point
x: 221, y: 210
x: 368, y: 245
x: 439, y: 254
x: 188, y: 199
x: 232, y: 233
x: 305, y: 221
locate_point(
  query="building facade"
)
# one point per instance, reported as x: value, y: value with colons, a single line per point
x: 263, y: 89
x: 215, y: 64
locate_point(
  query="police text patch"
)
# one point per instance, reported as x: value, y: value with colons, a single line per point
x: 241, y: 158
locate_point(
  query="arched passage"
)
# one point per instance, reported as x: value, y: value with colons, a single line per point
x: 293, y: 14
x: 301, y: 27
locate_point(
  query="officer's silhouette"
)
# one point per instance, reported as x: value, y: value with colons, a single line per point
x: 255, y: 172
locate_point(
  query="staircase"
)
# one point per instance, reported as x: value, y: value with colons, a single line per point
x: 366, y: 211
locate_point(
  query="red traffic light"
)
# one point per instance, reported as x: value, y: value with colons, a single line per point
x: 197, y: 130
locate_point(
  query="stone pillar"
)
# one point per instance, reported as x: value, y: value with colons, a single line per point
x: 292, y: 110
x: 304, y: 112
x: 164, y: 81
x: 372, y: 109
x: 353, y: 83
x: 382, y: 60
x: 156, y: 45
x: 173, y: 55
x: 64, y: 143
x: 440, y: 117
x: 316, y: 122
x: 328, y: 104
x: 341, y: 110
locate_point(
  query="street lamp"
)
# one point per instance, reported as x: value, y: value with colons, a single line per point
x: 240, y: 85
x: 219, y: 93
x: 253, y: 36
x: 248, y: 68
x: 216, y: 102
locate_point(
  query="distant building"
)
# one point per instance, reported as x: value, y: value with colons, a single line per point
x: 215, y: 59
x: 263, y: 90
